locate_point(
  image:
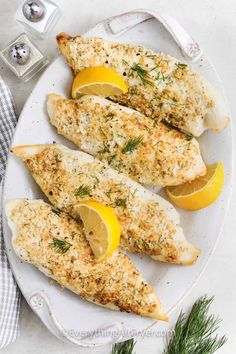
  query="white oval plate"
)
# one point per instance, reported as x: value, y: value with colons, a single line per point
x: 64, y: 313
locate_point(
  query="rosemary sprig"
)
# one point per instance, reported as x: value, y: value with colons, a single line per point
x: 82, y: 191
x: 126, y: 347
x: 143, y: 75
x: 193, y: 334
x: 132, y: 144
x: 61, y: 246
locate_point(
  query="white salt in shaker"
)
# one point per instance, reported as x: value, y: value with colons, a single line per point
x: 38, y: 16
x: 23, y: 57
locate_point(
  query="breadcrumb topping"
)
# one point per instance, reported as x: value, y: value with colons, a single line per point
x: 160, y: 86
x: 149, y: 224
x: 114, y: 283
x: 128, y: 141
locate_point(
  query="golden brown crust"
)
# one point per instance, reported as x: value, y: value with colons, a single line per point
x: 102, y: 128
x: 149, y: 224
x: 63, y: 37
x: 114, y: 283
x: 159, y: 85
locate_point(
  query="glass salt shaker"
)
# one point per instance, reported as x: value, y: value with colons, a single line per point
x: 38, y: 16
x: 23, y: 57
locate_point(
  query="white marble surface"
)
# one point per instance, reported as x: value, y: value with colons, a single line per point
x: 213, y: 24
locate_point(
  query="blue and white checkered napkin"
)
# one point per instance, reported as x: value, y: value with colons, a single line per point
x: 9, y: 292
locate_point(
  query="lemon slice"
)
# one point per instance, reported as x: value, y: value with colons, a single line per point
x: 101, y: 227
x: 98, y: 80
x: 201, y: 192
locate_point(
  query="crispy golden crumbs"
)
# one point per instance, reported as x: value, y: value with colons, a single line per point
x: 114, y: 283
x: 160, y: 86
x: 128, y: 141
x: 149, y: 224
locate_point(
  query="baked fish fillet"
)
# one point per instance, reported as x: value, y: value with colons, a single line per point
x: 130, y: 143
x: 55, y: 243
x: 159, y: 85
x: 149, y: 224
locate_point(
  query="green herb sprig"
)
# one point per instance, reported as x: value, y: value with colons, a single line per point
x: 193, y: 334
x: 132, y: 144
x: 181, y: 65
x: 61, y: 246
x: 82, y: 191
x: 188, y: 136
x: 121, y: 202
x: 143, y: 75
x: 56, y: 211
x: 126, y: 347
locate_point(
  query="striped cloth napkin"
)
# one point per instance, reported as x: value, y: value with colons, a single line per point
x: 9, y: 292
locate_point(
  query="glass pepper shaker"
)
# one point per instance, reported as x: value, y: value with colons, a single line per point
x: 38, y: 16
x: 23, y: 57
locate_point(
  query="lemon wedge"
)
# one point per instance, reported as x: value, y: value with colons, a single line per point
x: 201, y: 192
x: 98, y: 80
x: 101, y: 227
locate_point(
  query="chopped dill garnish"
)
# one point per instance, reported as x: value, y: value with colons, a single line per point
x: 101, y: 131
x: 56, y: 211
x: 82, y: 191
x: 125, y: 62
x: 193, y: 334
x: 143, y: 75
x: 152, y: 56
x: 154, y: 68
x: 109, y: 117
x: 61, y: 246
x: 188, y: 136
x: 132, y: 144
x: 121, y: 202
x: 126, y: 347
x: 166, y: 79
x: 181, y: 65
x: 111, y: 192
x: 118, y: 166
x: 134, y: 192
x: 105, y: 149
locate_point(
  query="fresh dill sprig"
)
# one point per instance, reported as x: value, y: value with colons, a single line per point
x: 181, y: 65
x: 125, y: 62
x: 132, y: 144
x: 134, y: 192
x: 101, y: 131
x: 56, y: 211
x: 82, y: 191
x: 143, y: 75
x: 61, y: 246
x: 121, y: 202
x: 189, y: 136
x: 193, y: 334
x: 111, y: 192
x: 126, y: 347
